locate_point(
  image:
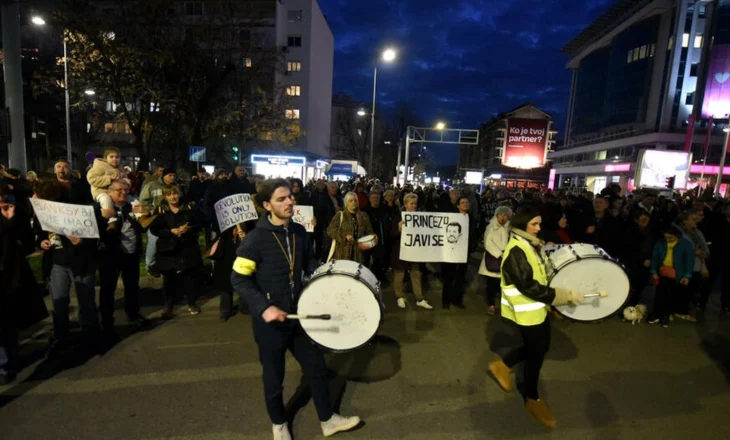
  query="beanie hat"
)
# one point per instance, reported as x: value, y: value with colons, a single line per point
x: 168, y: 170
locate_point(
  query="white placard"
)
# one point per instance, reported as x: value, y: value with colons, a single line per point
x: 429, y: 237
x: 303, y: 215
x: 66, y: 219
x: 235, y: 209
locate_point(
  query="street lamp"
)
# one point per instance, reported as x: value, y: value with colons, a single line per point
x: 361, y: 112
x: 722, y: 160
x: 39, y: 21
x: 89, y: 92
x: 388, y: 56
x: 440, y: 126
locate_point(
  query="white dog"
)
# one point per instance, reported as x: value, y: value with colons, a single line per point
x: 635, y: 314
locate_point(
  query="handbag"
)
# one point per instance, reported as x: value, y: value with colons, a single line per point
x: 334, y: 242
x: 492, y: 263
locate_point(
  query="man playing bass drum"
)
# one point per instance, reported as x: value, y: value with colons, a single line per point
x: 526, y: 300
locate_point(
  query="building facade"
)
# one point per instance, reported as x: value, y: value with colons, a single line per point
x: 639, y: 77
x: 506, y: 161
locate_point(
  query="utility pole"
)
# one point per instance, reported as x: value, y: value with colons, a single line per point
x: 14, y: 85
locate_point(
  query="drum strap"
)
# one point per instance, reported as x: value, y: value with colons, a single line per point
x: 291, y: 256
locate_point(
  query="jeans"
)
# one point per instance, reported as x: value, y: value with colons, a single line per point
x: 536, y: 343
x: 128, y: 266
x: 61, y: 279
x: 151, y: 250
x: 170, y: 282
x: 272, y: 355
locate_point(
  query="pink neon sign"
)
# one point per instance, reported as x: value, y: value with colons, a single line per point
x: 709, y: 169
x: 617, y: 167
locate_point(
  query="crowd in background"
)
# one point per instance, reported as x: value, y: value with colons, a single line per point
x: 678, y: 244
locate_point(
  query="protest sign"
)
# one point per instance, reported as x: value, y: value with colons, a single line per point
x: 304, y: 215
x: 429, y: 237
x: 65, y: 218
x: 235, y: 209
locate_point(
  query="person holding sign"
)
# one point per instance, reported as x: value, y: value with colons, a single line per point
x: 268, y: 274
x: 526, y: 299
x: 400, y: 266
x: 454, y: 274
x: 178, y: 252
x: 345, y: 229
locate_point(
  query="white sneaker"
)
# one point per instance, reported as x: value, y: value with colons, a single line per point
x: 338, y: 423
x: 281, y: 432
x: 423, y: 303
x: 402, y: 303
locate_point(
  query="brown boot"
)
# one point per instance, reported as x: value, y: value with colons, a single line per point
x: 503, y: 375
x: 539, y: 410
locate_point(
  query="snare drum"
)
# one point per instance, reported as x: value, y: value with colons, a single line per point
x: 366, y: 242
x: 588, y: 269
x: 350, y: 293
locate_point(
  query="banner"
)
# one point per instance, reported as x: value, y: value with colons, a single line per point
x: 235, y: 209
x: 304, y: 215
x: 526, y: 141
x: 65, y: 218
x: 429, y: 237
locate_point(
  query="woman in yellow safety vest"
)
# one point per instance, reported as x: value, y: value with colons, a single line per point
x: 526, y: 300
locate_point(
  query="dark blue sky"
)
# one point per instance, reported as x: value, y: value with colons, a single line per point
x: 460, y: 61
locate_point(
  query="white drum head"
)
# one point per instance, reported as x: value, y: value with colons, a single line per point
x: 354, y: 308
x: 592, y: 275
x: 351, y: 268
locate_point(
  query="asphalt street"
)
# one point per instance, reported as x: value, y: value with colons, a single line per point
x: 424, y: 377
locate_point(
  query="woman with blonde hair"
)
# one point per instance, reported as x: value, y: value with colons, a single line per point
x: 347, y: 227
x: 496, y: 237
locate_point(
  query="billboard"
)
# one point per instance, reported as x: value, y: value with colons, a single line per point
x: 656, y: 166
x: 525, y: 143
x: 473, y: 177
x: 716, y: 102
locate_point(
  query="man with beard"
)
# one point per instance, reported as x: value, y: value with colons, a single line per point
x: 268, y: 274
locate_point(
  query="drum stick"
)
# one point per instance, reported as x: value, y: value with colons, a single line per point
x: 601, y: 294
x: 324, y: 317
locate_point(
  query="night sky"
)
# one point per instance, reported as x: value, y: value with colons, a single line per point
x: 460, y: 61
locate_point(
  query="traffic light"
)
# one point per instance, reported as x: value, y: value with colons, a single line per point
x: 235, y: 153
x: 669, y: 182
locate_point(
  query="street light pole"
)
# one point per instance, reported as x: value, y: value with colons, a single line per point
x: 408, y: 150
x: 14, y: 84
x: 68, y: 105
x: 372, y: 120
x: 722, y: 161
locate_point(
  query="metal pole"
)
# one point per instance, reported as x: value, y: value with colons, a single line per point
x: 397, y: 166
x: 372, y: 121
x: 408, y: 150
x: 722, y: 162
x: 68, y: 104
x: 14, y: 85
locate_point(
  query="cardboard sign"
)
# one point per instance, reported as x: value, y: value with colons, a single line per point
x: 304, y: 215
x: 235, y: 209
x: 66, y: 218
x: 430, y: 237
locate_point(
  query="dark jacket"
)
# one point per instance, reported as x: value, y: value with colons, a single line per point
x: 176, y: 253
x: 518, y: 272
x: 378, y: 220
x: 265, y: 280
x: 637, y: 245
x: 683, y: 258
x: 82, y: 259
x: 111, y: 244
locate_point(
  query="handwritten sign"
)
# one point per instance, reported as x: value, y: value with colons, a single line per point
x: 235, y: 209
x: 429, y: 237
x: 304, y: 215
x: 66, y: 219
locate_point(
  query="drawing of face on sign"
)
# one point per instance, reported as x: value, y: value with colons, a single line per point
x: 453, y: 234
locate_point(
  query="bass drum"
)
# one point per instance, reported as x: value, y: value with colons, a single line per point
x: 588, y: 269
x: 350, y: 293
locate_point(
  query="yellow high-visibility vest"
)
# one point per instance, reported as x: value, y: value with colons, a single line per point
x: 516, y: 306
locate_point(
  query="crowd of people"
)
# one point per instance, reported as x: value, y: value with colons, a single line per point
x: 679, y: 244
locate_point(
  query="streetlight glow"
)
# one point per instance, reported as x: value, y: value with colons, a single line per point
x: 440, y: 126
x: 361, y: 112
x: 38, y: 21
x: 89, y: 92
x: 726, y: 129
x: 389, y: 55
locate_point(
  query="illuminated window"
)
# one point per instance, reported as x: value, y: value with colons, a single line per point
x: 294, y: 16
x: 247, y: 62
x: 154, y: 107
x: 642, y: 52
x: 652, y: 50
x: 636, y: 54
x: 292, y: 113
x: 685, y: 40
x: 294, y: 91
x: 294, y: 41
x: 294, y: 66
x: 628, y: 58
x: 359, y: 132
x: 698, y: 41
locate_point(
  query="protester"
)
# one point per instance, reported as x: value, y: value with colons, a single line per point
x: 672, y: 262
x: 346, y: 228
x: 151, y: 198
x: 496, y: 237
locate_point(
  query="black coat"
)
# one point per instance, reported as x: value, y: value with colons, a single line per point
x: 176, y: 253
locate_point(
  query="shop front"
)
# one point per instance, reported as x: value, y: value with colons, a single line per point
x: 284, y: 166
